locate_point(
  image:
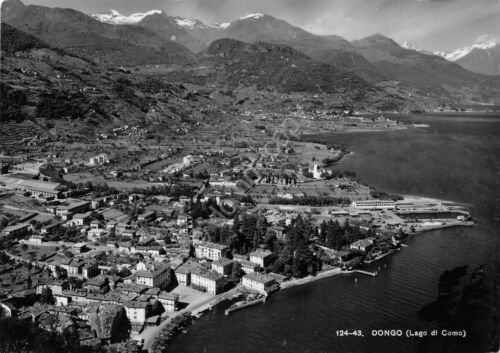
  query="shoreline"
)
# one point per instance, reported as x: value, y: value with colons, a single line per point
x: 199, y: 310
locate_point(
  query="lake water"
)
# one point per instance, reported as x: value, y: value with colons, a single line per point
x: 457, y: 158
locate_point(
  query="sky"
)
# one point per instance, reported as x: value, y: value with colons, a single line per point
x: 428, y: 24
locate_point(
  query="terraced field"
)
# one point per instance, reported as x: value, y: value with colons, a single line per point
x: 13, y: 133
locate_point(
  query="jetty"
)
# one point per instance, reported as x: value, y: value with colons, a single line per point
x: 373, y: 274
x: 245, y: 304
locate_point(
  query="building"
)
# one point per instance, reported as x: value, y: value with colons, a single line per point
x: 79, y: 219
x: 223, y: 267
x: 182, y: 220
x: 246, y: 266
x: 55, y: 286
x: 183, y: 272
x: 315, y: 171
x: 65, y: 211
x: 137, y: 312
x: 99, y: 159
x: 260, y: 282
x: 78, y: 248
x: 279, y: 231
x: 37, y: 188
x: 261, y: 257
x: 363, y: 245
x: 169, y: 301
x: 95, y: 224
x: 183, y: 275
x: 73, y: 267
x: 146, y: 217
x: 36, y: 239
x: 157, y: 276
x: 374, y: 204
x: 50, y: 227
x: 90, y: 270
x: 18, y: 230
x: 207, y: 280
x: 211, y: 251
x: 76, y: 297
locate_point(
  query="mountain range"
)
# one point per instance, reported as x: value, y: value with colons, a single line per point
x: 480, y: 57
x: 258, y: 50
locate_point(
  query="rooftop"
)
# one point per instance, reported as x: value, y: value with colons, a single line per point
x: 212, y: 245
x: 261, y: 253
x: 257, y: 277
x: 136, y: 305
x: 209, y: 274
x: 15, y: 227
x: 168, y: 296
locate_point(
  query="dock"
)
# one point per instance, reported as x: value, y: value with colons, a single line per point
x: 245, y: 305
x: 373, y: 274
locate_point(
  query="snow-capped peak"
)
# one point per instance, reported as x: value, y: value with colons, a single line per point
x: 114, y: 17
x: 254, y: 16
x: 184, y: 22
x: 224, y: 25
x: 194, y: 23
x: 409, y: 46
x: 483, y: 42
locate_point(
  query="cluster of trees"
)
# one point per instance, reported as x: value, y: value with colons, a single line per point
x: 176, y: 190
x: 340, y: 174
x: 123, y: 87
x: 65, y: 234
x: 203, y: 209
x: 271, y: 178
x: 249, y: 230
x: 335, y: 236
x: 19, y: 336
x: 384, y: 196
x: 294, y: 257
x: 11, y: 103
x: 170, y: 331
x: 311, y: 201
x: 330, y: 160
x: 58, y: 105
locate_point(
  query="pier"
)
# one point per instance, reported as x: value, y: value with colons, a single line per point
x: 242, y: 305
x: 373, y: 274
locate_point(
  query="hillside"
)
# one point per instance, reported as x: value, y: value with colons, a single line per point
x: 82, y: 35
x: 482, y: 61
x: 52, y: 93
x: 266, y: 65
x: 14, y: 40
x: 167, y: 28
x: 428, y: 74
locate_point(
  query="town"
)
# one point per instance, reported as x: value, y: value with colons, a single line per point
x: 127, y: 253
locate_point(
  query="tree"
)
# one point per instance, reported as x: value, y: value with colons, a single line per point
x: 236, y: 272
x: 236, y: 223
x: 46, y: 297
x: 124, y: 272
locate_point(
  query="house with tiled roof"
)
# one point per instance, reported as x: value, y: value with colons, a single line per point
x: 156, y: 275
x: 169, y: 301
x: 261, y: 257
x: 211, y: 251
x: 260, y: 282
x: 207, y: 280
